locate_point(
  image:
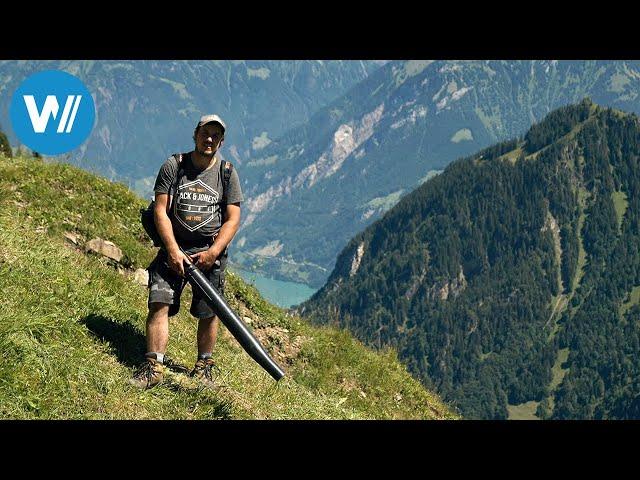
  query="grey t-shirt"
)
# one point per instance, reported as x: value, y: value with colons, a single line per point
x: 196, y: 213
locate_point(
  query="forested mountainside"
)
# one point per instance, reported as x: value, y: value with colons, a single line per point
x: 511, y: 282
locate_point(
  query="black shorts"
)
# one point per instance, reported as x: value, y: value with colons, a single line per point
x: 165, y: 286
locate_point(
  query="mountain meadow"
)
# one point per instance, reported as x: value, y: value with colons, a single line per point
x: 72, y: 324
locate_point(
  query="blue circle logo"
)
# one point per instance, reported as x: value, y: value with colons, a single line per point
x: 52, y: 112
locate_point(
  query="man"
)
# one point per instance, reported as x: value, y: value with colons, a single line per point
x: 202, y: 219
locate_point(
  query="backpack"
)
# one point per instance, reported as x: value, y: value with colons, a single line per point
x: 146, y: 214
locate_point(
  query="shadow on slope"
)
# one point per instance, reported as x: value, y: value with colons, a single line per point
x: 128, y: 344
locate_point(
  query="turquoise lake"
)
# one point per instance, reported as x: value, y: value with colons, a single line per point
x: 278, y: 292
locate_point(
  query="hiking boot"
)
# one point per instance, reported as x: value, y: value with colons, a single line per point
x: 202, y: 371
x: 148, y: 375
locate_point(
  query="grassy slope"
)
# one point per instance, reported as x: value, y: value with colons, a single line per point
x: 523, y: 411
x: 72, y: 326
x: 620, y: 203
x: 633, y: 299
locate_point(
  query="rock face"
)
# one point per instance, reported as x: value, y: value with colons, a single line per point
x: 346, y: 139
x: 105, y: 248
x: 443, y: 290
x: 551, y: 224
x: 357, y: 258
x: 454, y: 287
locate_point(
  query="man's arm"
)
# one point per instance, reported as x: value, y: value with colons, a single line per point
x: 165, y: 230
x: 205, y: 260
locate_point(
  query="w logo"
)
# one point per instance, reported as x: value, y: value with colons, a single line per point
x: 40, y: 120
x: 52, y: 112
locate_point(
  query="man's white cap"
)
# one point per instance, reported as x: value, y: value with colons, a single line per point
x: 211, y: 118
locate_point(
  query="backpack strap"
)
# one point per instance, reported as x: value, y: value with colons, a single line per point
x: 179, y: 174
x: 225, y: 171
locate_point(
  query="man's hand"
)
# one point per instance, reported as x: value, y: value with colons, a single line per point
x: 175, y: 259
x: 205, y: 260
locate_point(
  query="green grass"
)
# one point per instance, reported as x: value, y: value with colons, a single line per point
x: 634, y: 299
x: 511, y: 156
x: 558, y: 375
x: 582, y: 254
x: 72, y: 327
x: 557, y: 370
x: 462, y: 135
x: 523, y: 411
x: 384, y: 203
x: 558, y: 305
x: 620, y: 203
x: 61, y: 198
x: 483, y: 356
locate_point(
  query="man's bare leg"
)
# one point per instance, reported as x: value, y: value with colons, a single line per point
x: 158, y: 327
x: 150, y: 372
x: 207, y: 334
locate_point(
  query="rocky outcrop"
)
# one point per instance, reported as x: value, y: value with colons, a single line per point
x: 141, y: 276
x: 551, y: 224
x: 105, y: 248
x: 346, y: 139
x: 455, y: 94
x: 415, y: 113
x: 415, y: 284
x: 357, y: 259
x: 72, y: 238
x: 451, y: 288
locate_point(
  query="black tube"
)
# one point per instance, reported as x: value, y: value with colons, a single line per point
x: 236, y: 326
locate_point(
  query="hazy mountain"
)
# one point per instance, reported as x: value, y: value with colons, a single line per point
x: 315, y: 187
x: 147, y: 109
x: 511, y: 282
